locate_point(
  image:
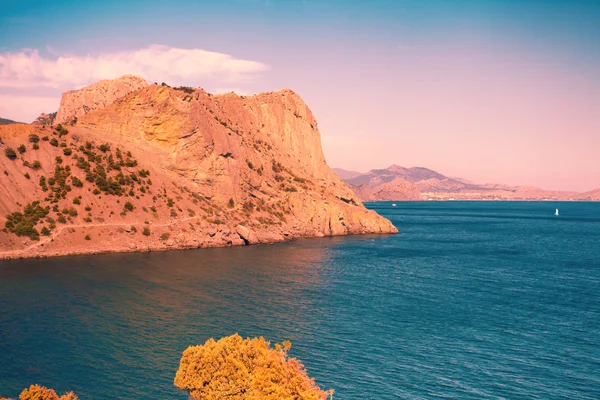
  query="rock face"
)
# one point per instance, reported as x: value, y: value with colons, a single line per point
x: 164, y: 168
x: 76, y: 103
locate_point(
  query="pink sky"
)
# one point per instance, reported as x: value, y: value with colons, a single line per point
x: 501, y: 118
x: 501, y: 92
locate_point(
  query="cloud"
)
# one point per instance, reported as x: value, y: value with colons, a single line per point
x: 176, y: 66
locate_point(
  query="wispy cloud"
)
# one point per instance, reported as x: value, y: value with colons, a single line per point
x: 27, y: 68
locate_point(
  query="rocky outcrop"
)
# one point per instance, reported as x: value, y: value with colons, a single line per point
x: 166, y: 168
x: 45, y: 119
x: 76, y: 103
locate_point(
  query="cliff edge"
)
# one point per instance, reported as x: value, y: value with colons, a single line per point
x: 160, y: 167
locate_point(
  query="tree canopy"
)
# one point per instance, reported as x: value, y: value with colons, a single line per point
x: 37, y: 392
x: 250, y: 369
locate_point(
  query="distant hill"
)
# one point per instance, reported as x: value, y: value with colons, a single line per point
x: 592, y: 195
x: 343, y: 174
x: 4, y: 121
x: 400, y: 183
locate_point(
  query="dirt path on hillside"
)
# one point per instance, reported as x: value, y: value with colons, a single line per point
x: 59, y: 230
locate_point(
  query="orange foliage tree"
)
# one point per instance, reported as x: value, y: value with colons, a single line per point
x: 234, y: 368
x: 37, y: 392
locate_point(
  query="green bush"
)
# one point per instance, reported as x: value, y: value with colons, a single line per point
x: 22, y: 224
x: 67, y: 152
x: 146, y: 231
x: 33, y: 138
x: 22, y: 149
x: 54, y: 142
x: 10, y: 153
x: 76, y: 182
x: 128, y: 206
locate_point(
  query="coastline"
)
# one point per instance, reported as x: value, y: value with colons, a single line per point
x: 212, y: 238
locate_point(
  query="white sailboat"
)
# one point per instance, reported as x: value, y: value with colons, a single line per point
x: 556, y: 213
x: 394, y: 205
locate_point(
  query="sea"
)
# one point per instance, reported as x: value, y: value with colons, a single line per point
x: 471, y: 300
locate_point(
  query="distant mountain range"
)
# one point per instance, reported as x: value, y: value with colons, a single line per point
x: 418, y: 183
x: 4, y: 121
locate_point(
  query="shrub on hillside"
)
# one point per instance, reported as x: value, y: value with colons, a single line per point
x: 10, y: 153
x: 23, y: 224
x: 236, y: 368
x: 76, y: 182
x: 128, y: 206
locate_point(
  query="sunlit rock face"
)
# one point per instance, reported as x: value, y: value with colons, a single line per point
x: 224, y: 170
x: 76, y: 103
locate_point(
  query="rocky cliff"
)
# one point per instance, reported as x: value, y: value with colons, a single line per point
x: 76, y: 103
x: 162, y: 167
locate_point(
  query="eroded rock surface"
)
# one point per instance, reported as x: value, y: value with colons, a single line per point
x: 76, y: 103
x: 166, y: 168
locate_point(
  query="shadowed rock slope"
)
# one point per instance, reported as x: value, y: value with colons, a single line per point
x: 163, y: 168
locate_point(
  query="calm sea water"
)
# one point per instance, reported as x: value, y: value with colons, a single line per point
x: 472, y: 300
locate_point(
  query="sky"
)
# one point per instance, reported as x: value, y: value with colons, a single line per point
x: 503, y: 91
